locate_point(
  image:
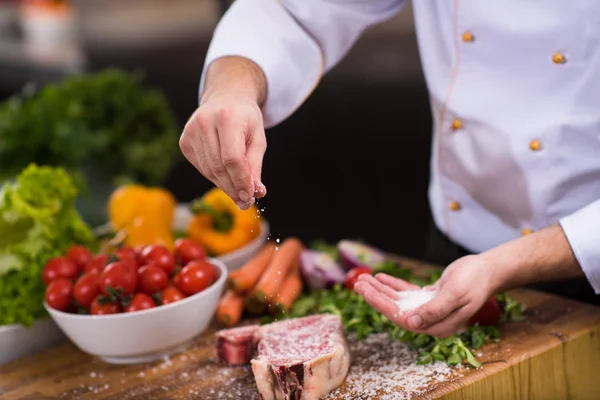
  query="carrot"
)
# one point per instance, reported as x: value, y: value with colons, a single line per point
x: 288, y: 293
x: 229, y: 309
x: 244, y: 279
x: 285, y: 259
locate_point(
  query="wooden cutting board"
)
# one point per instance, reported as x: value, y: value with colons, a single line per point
x: 555, y: 354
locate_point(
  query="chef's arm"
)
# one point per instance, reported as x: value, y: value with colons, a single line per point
x: 568, y: 249
x: 278, y: 50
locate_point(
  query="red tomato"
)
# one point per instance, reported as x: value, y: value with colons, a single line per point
x: 87, y: 288
x: 80, y: 256
x: 140, y: 301
x: 171, y: 295
x: 176, y: 279
x: 187, y: 250
x: 196, y: 276
x: 58, y: 294
x: 138, y: 254
x: 128, y: 255
x: 353, y: 274
x: 101, y: 308
x: 59, y: 267
x: 119, y: 276
x: 152, y: 279
x: 97, y: 264
x: 488, y: 314
x: 159, y: 256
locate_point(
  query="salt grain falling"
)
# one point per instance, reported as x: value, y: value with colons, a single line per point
x: 277, y: 240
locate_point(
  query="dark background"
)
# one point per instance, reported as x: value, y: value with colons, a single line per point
x: 352, y: 162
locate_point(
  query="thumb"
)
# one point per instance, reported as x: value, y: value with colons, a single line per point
x: 254, y: 154
x: 434, y: 311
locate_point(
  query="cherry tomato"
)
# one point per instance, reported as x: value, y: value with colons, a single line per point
x: 101, y: 308
x: 152, y: 279
x: 171, y: 295
x: 488, y: 314
x: 140, y: 301
x: 187, y: 250
x: 119, y: 276
x: 128, y: 255
x: 59, y: 267
x: 58, y: 294
x: 87, y: 288
x: 80, y: 256
x: 176, y: 279
x: 138, y: 254
x: 196, y: 276
x: 159, y: 256
x: 353, y: 274
x: 97, y: 264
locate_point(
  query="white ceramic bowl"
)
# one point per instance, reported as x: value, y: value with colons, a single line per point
x: 147, y: 335
x: 18, y: 341
x: 234, y: 259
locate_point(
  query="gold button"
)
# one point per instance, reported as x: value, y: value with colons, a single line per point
x: 468, y: 37
x: 535, y: 145
x: 455, y: 206
x: 456, y: 124
x: 558, y: 58
x: 526, y: 231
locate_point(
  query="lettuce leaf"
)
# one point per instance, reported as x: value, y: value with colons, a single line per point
x: 38, y: 221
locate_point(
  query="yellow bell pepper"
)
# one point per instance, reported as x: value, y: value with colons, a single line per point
x: 219, y: 225
x: 145, y: 214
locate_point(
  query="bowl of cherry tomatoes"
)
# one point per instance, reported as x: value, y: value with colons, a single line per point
x: 133, y: 305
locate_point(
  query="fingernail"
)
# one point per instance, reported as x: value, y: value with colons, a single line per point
x: 416, y: 321
x: 244, y: 196
x: 261, y: 189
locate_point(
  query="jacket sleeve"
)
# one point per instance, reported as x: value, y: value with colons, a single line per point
x: 294, y: 42
x: 582, y: 229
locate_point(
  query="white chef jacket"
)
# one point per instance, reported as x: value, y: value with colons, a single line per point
x: 515, y: 95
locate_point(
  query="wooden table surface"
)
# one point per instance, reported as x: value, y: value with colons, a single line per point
x: 555, y: 354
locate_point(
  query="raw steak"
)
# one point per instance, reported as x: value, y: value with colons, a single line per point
x: 236, y: 346
x: 301, y: 359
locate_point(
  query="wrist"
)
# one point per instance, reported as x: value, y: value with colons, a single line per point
x: 502, y: 267
x: 541, y: 256
x: 234, y: 75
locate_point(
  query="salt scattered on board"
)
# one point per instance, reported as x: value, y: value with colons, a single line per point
x: 410, y: 299
x: 386, y: 369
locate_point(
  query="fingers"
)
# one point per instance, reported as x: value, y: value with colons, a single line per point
x: 434, y: 311
x: 255, y: 153
x: 450, y: 325
x: 395, y: 283
x: 388, y: 291
x: 379, y: 301
x: 190, y: 145
x: 231, y: 134
x: 212, y: 154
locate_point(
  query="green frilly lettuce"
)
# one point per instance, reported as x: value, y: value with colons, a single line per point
x: 38, y: 221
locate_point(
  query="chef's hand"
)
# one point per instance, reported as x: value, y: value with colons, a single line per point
x: 463, y: 288
x: 225, y: 137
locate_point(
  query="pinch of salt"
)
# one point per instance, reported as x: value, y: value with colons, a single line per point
x: 410, y: 299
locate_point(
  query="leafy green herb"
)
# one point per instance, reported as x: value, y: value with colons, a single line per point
x: 105, y: 116
x: 513, y: 310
